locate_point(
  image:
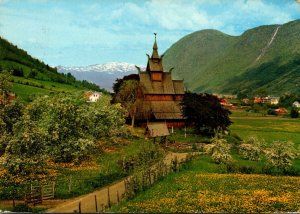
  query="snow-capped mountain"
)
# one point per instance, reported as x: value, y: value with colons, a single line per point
x: 103, y: 75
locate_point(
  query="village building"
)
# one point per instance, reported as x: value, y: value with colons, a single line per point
x: 92, y: 96
x: 267, y: 100
x: 296, y: 104
x: 281, y: 111
x: 159, y: 96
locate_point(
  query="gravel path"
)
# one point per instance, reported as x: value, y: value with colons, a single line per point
x: 99, y: 198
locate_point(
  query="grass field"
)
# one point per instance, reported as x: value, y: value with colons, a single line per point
x: 104, y: 169
x: 205, y: 188
x: 269, y: 128
x: 25, y: 88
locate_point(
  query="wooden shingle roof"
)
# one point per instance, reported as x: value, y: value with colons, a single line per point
x: 166, y: 86
x: 157, y: 129
x: 158, y: 110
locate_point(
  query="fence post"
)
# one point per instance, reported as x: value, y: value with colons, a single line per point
x: 149, y: 176
x: 53, y: 188
x: 108, y: 198
x: 96, y: 203
x: 41, y: 193
x: 70, y: 181
x: 79, y: 207
x: 118, y: 197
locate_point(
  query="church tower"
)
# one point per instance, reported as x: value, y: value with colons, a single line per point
x: 154, y: 65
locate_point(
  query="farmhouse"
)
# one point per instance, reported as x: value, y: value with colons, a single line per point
x: 296, y: 104
x: 159, y: 96
x: 268, y: 100
x: 92, y: 96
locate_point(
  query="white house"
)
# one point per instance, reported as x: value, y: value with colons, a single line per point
x: 93, y: 96
x: 296, y: 104
x: 274, y: 100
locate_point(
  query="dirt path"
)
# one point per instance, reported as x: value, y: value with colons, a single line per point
x: 98, y: 200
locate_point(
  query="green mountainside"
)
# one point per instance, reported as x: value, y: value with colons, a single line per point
x: 31, y: 77
x: 266, y: 58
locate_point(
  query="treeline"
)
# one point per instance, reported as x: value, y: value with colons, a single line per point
x: 11, y: 55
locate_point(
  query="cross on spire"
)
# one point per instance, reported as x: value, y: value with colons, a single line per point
x: 155, y: 48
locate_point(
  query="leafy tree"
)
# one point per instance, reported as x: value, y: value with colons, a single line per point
x: 205, y: 113
x: 25, y: 153
x: 118, y: 82
x: 4, y: 87
x: 252, y: 148
x: 219, y: 150
x: 108, y: 120
x: 281, y: 155
x: 287, y: 100
x: 32, y: 74
x: 18, y: 72
x: 294, y: 113
x: 126, y: 91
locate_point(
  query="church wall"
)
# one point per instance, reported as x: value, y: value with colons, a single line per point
x: 158, y: 97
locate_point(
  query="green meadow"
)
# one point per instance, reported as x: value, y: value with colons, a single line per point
x: 269, y: 128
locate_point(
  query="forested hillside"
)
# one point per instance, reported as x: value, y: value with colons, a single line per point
x: 263, y: 58
x: 32, y: 76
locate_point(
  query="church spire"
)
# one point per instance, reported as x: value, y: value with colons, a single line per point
x: 155, y: 52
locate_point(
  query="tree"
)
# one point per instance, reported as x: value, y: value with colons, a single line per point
x: 5, y: 85
x: 118, y: 82
x: 281, y: 155
x: 252, y: 149
x: 18, y: 72
x: 219, y: 150
x: 126, y: 91
x: 32, y: 74
x: 294, y: 113
x: 205, y: 113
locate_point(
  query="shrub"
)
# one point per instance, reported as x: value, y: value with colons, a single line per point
x: 251, y: 149
x: 219, y: 150
x: 294, y: 113
x: 281, y: 155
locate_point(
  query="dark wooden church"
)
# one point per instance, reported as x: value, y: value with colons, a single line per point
x: 159, y: 96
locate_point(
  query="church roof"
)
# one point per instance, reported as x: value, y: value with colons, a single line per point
x: 155, y: 54
x: 166, y: 86
x: 158, y: 110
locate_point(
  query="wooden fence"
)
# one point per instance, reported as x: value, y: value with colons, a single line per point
x: 37, y: 193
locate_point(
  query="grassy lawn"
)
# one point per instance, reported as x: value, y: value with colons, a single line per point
x: 104, y: 169
x: 25, y: 88
x: 205, y: 188
x: 269, y: 128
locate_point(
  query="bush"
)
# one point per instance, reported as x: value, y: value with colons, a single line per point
x: 22, y: 208
x: 294, y: 113
x: 271, y: 112
x: 219, y: 150
x: 281, y: 155
x: 251, y: 149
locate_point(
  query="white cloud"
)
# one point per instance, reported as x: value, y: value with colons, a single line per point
x: 127, y: 26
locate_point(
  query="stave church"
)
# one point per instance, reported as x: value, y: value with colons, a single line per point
x: 159, y: 96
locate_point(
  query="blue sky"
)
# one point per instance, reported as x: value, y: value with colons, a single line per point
x: 85, y: 32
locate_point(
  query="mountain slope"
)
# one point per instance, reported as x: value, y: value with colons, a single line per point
x: 210, y: 61
x: 31, y: 76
